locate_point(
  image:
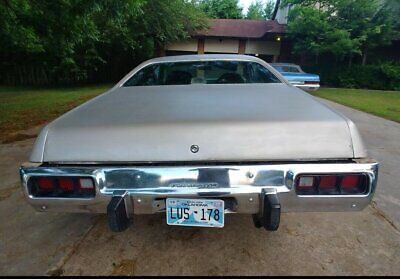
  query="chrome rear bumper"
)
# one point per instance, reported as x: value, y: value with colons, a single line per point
x: 145, y: 188
x: 308, y: 87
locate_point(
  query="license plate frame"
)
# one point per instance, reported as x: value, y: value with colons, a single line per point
x: 195, y: 212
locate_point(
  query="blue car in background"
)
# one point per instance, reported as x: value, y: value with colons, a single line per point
x: 296, y: 76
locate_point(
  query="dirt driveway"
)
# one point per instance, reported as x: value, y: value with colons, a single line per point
x: 366, y: 242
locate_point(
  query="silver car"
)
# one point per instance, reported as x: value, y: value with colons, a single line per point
x: 198, y: 137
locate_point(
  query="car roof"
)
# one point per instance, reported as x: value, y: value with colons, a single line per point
x: 284, y: 64
x: 199, y: 57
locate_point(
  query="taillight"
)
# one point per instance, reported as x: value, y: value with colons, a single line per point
x: 306, y: 184
x: 352, y: 184
x: 45, y: 184
x: 86, y: 184
x: 331, y: 184
x: 61, y: 186
x: 66, y: 184
x: 350, y: 181
x: 311, y: 82
x: 328, y: 183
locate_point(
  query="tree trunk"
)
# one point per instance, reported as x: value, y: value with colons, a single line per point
x: 276, y: 8
x: 159, y: 49
x: 364, y: 58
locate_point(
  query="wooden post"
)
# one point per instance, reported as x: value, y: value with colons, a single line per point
x: 242, y: 47
x: 200, y: 46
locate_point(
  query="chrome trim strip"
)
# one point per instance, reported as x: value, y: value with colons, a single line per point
x: 148, y: 186
x: 307, y: 86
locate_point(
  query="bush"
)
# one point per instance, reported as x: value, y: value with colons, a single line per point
x: 385, y: 76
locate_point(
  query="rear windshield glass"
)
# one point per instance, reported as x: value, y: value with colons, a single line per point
x: 202, y: 72
x: 288, y: 69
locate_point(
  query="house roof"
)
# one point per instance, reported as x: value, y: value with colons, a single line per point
x: 241, y: 28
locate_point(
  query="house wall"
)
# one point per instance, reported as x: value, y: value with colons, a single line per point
x: 221, y: 45
x: 216, y: 45
x: 263, y: 47
x: 188, y: 45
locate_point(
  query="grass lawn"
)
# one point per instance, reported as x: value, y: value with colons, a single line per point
x: 23, y: 108
x: 381, y: 103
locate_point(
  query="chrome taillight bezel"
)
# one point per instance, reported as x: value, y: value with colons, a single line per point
x: 362, y: 188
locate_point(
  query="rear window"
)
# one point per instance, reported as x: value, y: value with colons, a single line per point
x: 202, y: 72
x: 287, y: 69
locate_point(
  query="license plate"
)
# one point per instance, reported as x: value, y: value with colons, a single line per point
x: 195, y: 212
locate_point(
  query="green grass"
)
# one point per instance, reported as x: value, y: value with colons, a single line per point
x: 381, y: 103
x: 23, y: 108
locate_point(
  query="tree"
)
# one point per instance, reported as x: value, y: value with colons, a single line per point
x: 392, y: 8
x: 167, y: 21
x: 221, y: 8
x: 261, y: 10
x: 15, y: 33
x: 256, y: 10
x: 69, y: 41
x: 366, y: 20
x: 269, y: 9
x: 344, y: 27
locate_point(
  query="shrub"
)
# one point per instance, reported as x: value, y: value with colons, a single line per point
x: 385, y: 76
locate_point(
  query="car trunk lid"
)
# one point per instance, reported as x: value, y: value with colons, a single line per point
x: 241, y: 122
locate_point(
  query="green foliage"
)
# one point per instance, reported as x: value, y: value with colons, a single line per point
x: 260, y: 10
x: 269, y: 9
x: 306, y: 28
x: 392, y: 7
x: 256, y: 10
x: 344, y: 27
x: 392, y: 73
x: 69, y: 41
x: 366, y: 20
x: 385, y: 76
x: 339, y: 43
x: 221, y: 8
x: 15, y: 33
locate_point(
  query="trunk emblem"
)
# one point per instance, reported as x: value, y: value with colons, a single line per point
x: 194, y: 148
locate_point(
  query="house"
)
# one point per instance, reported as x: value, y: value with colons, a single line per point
x: 262, y: 38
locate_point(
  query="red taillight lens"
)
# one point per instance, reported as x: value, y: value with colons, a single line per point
x: 45, y: 184
x: 350, y: 181
x: 311, y: 82
x: 353, y: 184
x: 328, y: 182
x: 66, y: 184
x: 331, y: 184
x: 62, y: 187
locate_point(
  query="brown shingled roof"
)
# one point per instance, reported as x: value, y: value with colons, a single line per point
x: 241, y: 28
